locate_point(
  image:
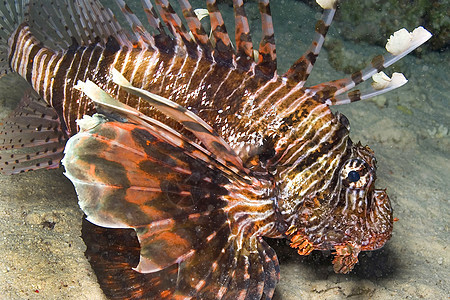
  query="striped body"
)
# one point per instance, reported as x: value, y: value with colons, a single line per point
x: 253, y: 115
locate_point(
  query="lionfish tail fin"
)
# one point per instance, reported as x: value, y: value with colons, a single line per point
x: 184, y: 203
x: 299, y: 72
x: 32, y: 137
x: 12, y: 14
x: 399, y: 44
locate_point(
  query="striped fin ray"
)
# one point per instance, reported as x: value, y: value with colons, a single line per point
x: 31, y: 137
x: 223, y: 49
x: 48, y: 29
x: 267, y: 61
x: 173, y: 21
x: 244, y: 45
x: 152, y: 17
x: 79, y: 22
x: 196, y: 28
x: 181, y: 209
x: 8, y: 23
x: 376, y: 89
x: 98, y: 21
x: 145, y: 39
x: 300, y: 70
x: 331, y: 91
x: 162, y: 40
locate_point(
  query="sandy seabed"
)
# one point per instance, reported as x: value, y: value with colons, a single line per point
x: 42, y: 253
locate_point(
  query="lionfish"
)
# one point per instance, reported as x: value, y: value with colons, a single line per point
x: 195, y: 143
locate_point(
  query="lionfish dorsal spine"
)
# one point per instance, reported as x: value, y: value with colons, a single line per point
x: 335, y: 92
x: 267, y: 61
x: 182, y: 36
x: 144, y: 37
x: 196, y: 28
x: 223, y: 49
x: 299, y: 72
x: 244, y: 45
x: 143, y: 61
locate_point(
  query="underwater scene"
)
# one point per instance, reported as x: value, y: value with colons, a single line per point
x: 256, y: 235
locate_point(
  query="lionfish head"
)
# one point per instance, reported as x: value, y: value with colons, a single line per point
x: 354, y: 217
x: 365, y: 207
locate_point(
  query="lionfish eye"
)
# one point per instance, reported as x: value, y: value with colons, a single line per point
x: 356, y: 174
x: 353, y: 176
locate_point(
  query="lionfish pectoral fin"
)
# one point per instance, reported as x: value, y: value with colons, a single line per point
x: 32, y: 137
x: 142, y: 174
x: 400, y: 44
x: 113, y: 253
x: 127, y: 176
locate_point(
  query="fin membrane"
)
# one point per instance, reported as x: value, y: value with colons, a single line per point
x: 113, y: 253
x: 31, y: 137
x: 65, y: 23
x: 184, y: 205
x: 11, y: 15
x: 127, y: 177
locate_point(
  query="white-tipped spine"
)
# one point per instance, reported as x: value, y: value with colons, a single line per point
x: 382, y: 81
x: 327, y: 4
x: 403, y: 41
